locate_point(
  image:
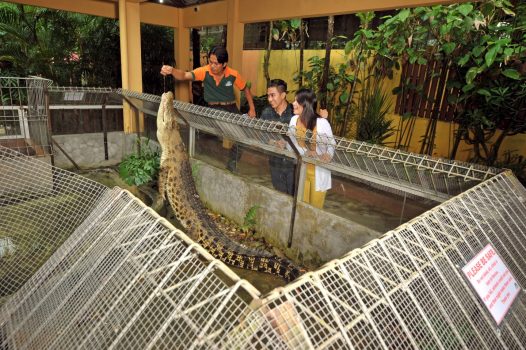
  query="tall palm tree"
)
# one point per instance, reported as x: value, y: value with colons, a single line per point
x: 37, y: 41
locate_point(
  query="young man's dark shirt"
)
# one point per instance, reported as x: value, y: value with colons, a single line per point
x: 270, y: 114
x: 281, y: 167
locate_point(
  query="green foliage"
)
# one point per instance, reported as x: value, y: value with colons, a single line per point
x: 249, y: 221
x: 373, y: 106
x: 210, y: 37
x: 75, y: 49
x: 354, y: 89
x: 338, y: 86
x: 484, y: 44
x: 38, y: 41
x: 100, y: 52
x: 287, y: 31
x: 260, y: 102
x: 206, y: 43
x: 162, y: 39
x: 142, y: 167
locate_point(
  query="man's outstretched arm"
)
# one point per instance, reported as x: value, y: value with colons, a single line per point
x: 178, y: 74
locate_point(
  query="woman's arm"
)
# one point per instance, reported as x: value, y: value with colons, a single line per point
x: 292, y: 134
x: 325, y: 140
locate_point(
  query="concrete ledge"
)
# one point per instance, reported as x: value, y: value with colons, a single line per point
x: 318, y: 236
x: 87, y: 150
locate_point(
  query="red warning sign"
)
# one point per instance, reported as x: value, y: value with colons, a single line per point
x: 493, y: 281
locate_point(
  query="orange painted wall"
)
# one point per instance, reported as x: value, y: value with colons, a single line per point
x: 284, y: 65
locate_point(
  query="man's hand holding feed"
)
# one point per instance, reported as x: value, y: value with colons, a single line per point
x: 166, y: 70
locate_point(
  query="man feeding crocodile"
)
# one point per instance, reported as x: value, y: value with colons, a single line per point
x: 219, y: 81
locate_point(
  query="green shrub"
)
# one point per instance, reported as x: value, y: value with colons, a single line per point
x: 249, y: 222
x: 140, y: 168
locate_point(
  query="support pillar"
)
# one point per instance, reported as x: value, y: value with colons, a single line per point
x: 131, y: 63
x: 182, y: 56
x: 234, y: 39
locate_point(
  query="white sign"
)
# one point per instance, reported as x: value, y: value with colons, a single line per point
x: 493, y: 282
x: 73, y: 96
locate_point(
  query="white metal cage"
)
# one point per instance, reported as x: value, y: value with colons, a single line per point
x: 24, y: 115
x: 406, y: 290
x: 125, y: 278
x: 85, y: 266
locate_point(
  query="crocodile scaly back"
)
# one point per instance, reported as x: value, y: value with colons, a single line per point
x: 176, y: 184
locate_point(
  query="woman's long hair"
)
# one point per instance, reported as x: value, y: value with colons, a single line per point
x: 307, y: 99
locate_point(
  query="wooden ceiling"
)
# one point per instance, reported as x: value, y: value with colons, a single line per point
x: 180, y: 3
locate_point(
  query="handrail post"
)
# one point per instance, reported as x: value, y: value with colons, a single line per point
x: 297, y: 189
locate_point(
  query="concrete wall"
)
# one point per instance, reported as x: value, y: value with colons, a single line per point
x: 318, y: 236
x: 87, y: 150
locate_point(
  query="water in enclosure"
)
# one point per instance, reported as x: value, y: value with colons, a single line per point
x: 355, y: 200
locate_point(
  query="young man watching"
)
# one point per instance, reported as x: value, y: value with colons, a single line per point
x: 281, y: 168
x: 219, y: 81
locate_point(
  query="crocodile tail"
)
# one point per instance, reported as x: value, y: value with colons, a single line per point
x: 284, y: 268
x: 238, y: 256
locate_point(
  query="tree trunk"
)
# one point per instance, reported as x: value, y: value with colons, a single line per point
x: 429, y: 137
x: 458, y: 137
x: 223, y: 35
x: 302, y: 53
x: 327, y: 63
x: 196, y: 48
x: 353, y: 89
x: 266, y: 59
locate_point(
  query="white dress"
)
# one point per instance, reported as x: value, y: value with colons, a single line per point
x: 324, y: 144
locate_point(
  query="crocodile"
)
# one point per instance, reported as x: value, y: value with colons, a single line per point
x: 177, y: 186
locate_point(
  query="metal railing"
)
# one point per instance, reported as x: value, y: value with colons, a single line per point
x: 395, y: 170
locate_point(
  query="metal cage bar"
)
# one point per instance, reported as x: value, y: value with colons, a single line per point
x: 420, y: 175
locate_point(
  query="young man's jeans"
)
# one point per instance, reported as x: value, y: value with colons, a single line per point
x: 282, y: 172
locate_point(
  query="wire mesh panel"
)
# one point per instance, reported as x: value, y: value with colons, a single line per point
x: 125, y: 279
x: 388, y: 169
x: 406, y: 290
x: 40, y: 206
x: 24, y: 115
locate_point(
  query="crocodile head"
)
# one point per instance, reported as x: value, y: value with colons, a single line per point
x: 166, y: 119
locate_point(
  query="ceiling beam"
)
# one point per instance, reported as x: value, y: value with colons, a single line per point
x: 151, y: 13
x: 160, y: 15
x: 261, y: 11
x: 204, y: 15
x: 215, y: 13
x: 107, y: 9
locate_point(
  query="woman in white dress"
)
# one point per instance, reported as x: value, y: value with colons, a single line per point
x: 312, y: 135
